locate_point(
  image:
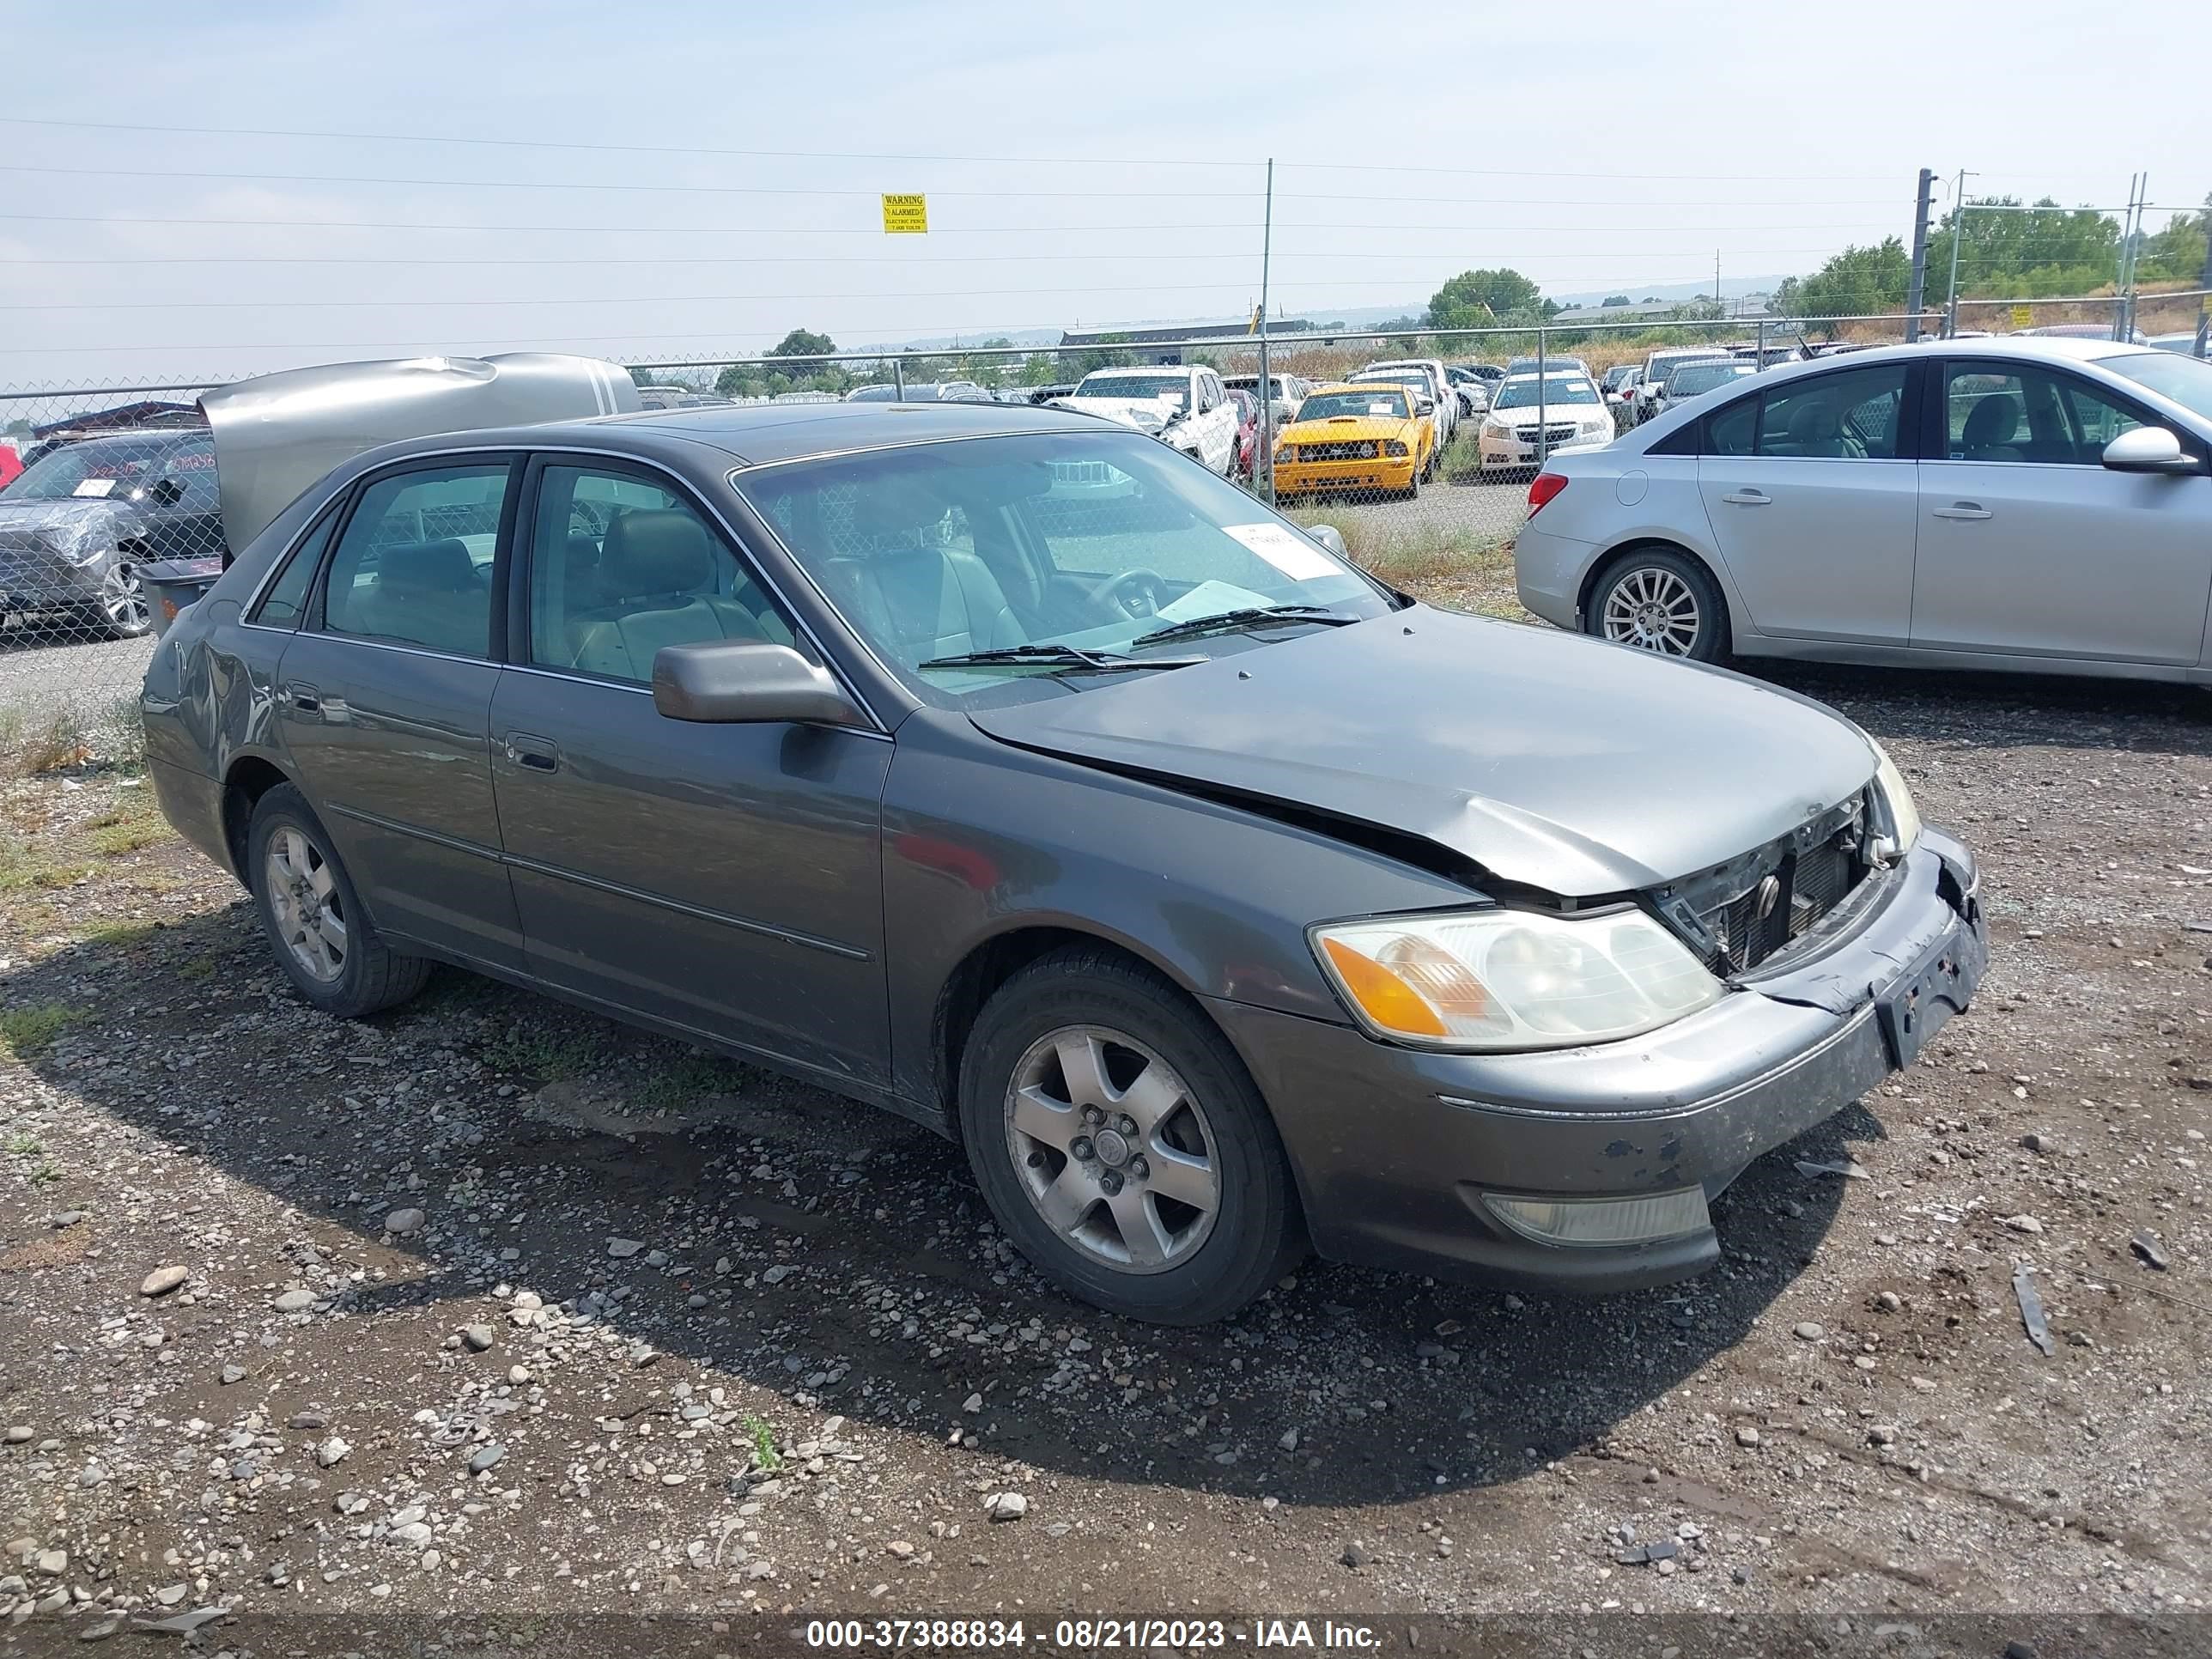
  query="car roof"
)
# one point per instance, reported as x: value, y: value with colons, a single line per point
x: 1144, y: 369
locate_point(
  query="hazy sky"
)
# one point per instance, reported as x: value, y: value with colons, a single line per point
x: 1084, y: 166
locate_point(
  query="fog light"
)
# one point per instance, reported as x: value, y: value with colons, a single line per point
x: 1603, y: 1220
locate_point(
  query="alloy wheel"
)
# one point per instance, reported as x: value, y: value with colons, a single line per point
x: 304, y: 898
x: 1113, y: 1148
x: 1653, y: 609
x: 123, y: 600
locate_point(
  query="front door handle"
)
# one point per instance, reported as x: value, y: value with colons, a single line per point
x: 1963, y: 510
x: 1749, y: 498
x: 538, y: 754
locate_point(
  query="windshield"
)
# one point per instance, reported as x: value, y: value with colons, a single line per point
x: 1086, y: 539
x: 1693, y: 378
x: 2185, y: 381
x: 1175, y: 388
x: 1327, y: 405
x: 93, y: 469
x: 1558, y: 389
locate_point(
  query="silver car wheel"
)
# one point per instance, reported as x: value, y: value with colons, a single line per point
x: 123, y: 600
x: 304, y: 898
x: 1113, y: 1148
x: 1652, y: 609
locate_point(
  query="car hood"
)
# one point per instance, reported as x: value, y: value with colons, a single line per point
x: 1550, y: 760
x: 71, y: 524
x: 1345, y: 429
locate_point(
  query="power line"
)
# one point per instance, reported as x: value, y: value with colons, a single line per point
x: 872, y: 231
x: 877, y: 155
x: 913, y: 260
x: 627, y: 187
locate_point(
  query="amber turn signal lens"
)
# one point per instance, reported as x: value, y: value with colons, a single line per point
x: 1387, y: 999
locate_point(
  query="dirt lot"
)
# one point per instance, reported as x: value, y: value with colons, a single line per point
x: 488, y: 1309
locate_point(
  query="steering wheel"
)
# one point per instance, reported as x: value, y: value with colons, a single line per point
x: 1133, y: 593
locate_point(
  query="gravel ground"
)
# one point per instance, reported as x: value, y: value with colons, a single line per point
x: 490, y: 1308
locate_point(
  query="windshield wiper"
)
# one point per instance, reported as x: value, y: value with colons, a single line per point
x: 1058, y: 656
x: 1246, y: 616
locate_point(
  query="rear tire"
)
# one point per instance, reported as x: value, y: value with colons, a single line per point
x: 312, y: 916
x: 1658, y: 599
x: 1123, y: 1145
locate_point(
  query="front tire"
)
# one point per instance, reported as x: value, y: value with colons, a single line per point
x: 312, y: 917
x: 1122, y: 1144
x: 1662, y: 601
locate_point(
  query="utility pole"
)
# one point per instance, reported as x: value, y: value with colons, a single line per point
x: 1716, y: 279
x: 2204, y: 301
x: 1916, y: 296
x: 2123, y: 318
x: 1957, y: 224
x: 1265, y: 461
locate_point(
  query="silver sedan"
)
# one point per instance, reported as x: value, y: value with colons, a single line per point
x: 2040, y: 505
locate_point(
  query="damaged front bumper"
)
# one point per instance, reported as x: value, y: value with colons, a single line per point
x: 1540, y: 1168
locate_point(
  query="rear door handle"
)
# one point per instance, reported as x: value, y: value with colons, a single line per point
x: 538, y: 754
x: 304, y: 697
x: 1963, y: 510
x: 1749, y: 498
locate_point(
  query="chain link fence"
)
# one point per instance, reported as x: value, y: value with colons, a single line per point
x: 1411, y: 443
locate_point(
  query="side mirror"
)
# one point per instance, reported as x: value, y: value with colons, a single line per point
x: 1328, y: 536
x: 2150, y: 449
x: 168, y: 492
x: 1425, y: 406
x: 748, y: 681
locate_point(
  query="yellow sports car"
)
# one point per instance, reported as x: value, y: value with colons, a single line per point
x: 1355, y: 437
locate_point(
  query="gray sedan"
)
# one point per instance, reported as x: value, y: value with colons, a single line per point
x: 2005, y: 504
x: 1016, y: 774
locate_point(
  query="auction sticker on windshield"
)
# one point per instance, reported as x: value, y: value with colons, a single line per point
x: 93, y: 487
x: 1288, y: 551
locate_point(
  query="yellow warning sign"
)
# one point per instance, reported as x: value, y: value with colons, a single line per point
x: 906, y: 216
x: 2023, y: 316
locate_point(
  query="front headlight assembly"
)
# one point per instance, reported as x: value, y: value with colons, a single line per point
x: 1904, y: 815
x: 1506, y: 980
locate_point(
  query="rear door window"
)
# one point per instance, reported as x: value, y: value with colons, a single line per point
x: 415, y: 562
x: 1851, y: 415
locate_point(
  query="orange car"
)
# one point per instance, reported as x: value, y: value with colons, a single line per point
x: 1355, y: 437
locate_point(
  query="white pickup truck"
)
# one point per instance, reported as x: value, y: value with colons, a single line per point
x: 1184, y: 406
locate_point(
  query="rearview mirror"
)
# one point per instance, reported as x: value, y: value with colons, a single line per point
x: 750, y: 682
x: 1330, y: 538
x: 2149, y: 449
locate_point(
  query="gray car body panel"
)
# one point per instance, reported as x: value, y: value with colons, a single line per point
x: 846, y: 883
